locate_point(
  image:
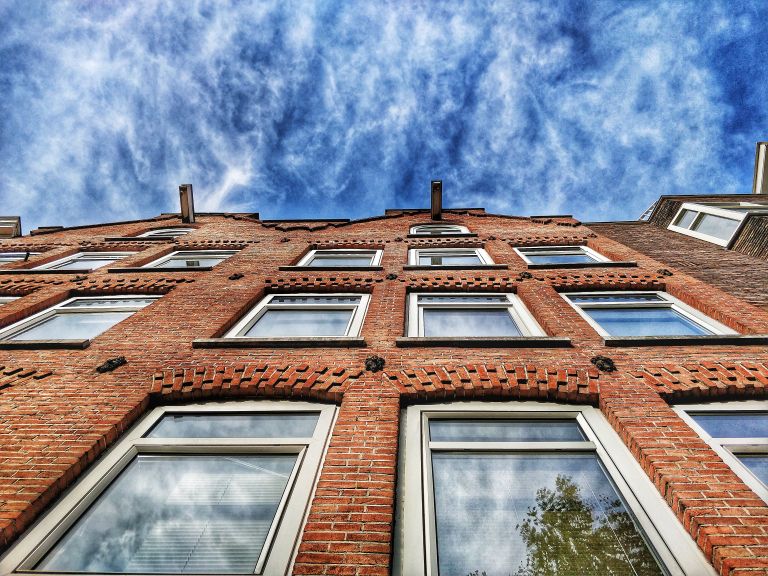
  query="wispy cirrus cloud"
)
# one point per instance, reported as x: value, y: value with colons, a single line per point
x: 329, y: 109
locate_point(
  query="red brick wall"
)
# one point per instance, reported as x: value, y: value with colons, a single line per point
x: 57, y: 415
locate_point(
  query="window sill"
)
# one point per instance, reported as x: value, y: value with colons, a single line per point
x: 626, y: 264
x: 44, y: 344
x: 331, y: 268
x: 319, y: 342
x: 730, y: 339
x: 457, y: 267
x: 173, y: 269
x: 45, y: 271
x: 485, y: 342
x: 438, y: 236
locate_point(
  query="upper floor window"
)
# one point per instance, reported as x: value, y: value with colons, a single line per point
x: 560, y: 255
x: 304, y: 315
x: 530, y: 489
x: 334, y: 258
x: 738, y: 432
x: 191, y: 259
x: 642, y: 314
x: 715, y: 222
x: 204, y: 489
x: 6, y: 299
x: 439, y: 229
x: 166, y: 233
x: 85, y: 261
x: 79, y: 318
x: 6, y: 257
x: 466, y: 314
x: 448, y: 257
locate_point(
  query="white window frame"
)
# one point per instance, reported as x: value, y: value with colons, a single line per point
x: 415, y: 253
x: 166, y: 232
x: 415, y: 549
x: 715, y: 209
x: 557, y: 251
x: 7, y: 299
x: 282, y: 541
x: 424, y: 229
x: 60, y: 308
x: 667, y: 301
x: 728, y: 448
x: 520, y: 314
x: 224, y: 254
x: 376, y: 255
x: 84, y: 257
x: 10, y: 257
x: 354, y: 326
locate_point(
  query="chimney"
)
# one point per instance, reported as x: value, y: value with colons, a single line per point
x: 437, y: 199
x: 760, y: 181
x: 187, y: 203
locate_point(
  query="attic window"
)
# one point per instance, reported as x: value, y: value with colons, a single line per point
x: 439, y: 229
x: 166, y: 233
x: 715, y: 222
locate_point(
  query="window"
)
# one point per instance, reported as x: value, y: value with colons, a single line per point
x: 343, y: 257
x: 448, y: 257
x: 6, y: 257
x: 207, y: 489
x: 77, y: 318
x: 6, y: 299
x: 738, y: 432
x: 642, y: 314
x: 475, y: 315
x: 191, y: 259
x: 560, y: 255
x: 439, y: 229
x: 166, y: 233
x: 529, y: 489
x: 715, y: 222
x: 304, y: 315
x: 84, y: 261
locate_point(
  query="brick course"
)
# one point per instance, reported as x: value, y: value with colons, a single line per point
x: 55, y: 422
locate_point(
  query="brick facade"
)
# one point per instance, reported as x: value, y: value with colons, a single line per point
x: 58, y: 415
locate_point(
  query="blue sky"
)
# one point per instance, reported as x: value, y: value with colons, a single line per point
x: 341, y: 109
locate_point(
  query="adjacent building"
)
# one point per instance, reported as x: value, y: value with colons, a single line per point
x: 440, y: 391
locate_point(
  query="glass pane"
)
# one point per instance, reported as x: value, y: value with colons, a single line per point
x: 622, y: 298
x: 301, y: 323
x: 85, y: 264
x: 449, y: 260
x: 341, y: 260
x: 254, y: 425
x: 189, y: 262
x: 685, y: 218
x: 734, y: 424
x: 315, y: 300
x: 478, y: 299
x: 437, y: 230
x: 716, y: 226
x: 512, y: 430
x: 178, y: 514
x: 758, y: 465
x: 469, y: 322
x: 645, y: 322
x: 108, y: 302
x: 560, y: 258
x: 72, y: 326
x: 532, y: 515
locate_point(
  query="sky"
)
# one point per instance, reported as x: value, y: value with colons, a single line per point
x: 331, y: 109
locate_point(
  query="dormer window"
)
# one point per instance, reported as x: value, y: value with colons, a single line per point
x: 715, y: 222
x: 439, y: 229
x: 166, y: 233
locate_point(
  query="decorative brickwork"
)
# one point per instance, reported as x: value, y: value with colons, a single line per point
x: 22, y: 286
x: 333, y: 283
x: 505, y: 381
x: 304, y: 382
x: 128, y: 285
x: 551, y: 240
x: 720, y: 380
x: 13, y: 375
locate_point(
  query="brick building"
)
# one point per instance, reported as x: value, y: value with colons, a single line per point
x: 399, y: 394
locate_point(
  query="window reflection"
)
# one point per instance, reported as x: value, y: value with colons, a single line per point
x: 469, y: 322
